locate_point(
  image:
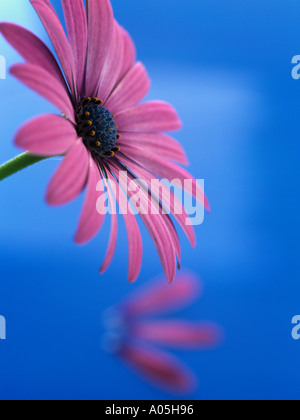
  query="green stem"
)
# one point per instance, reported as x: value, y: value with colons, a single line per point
x: 17, y: 164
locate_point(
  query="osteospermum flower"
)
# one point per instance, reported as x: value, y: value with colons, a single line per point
x: 98, y: 85
x: 135, y: 332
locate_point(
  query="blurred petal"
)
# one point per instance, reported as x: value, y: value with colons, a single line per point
x: 131, y: 90
x: 100, y: 30
x: 135, y: 244
x: 58, y: 38
x: 159, y: 297
x: 90, y: 221
x: 160, y: 367
x: 71, y: 177
x: 47, y: 135
x: 179, y: 333
x: 76, y: 23
x: 154, y: 116
x: 40, y: 80
x: 31, y: 48
x: 157, y: 144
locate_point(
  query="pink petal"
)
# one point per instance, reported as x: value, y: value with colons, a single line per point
x: 157, y: 143
x: 168, y: 170
x: 31, y: 48
x: 135, y: 244
x: 173, y: 233
x: 169, y: 225
x: 114, y: 230
x: 159, y: 367
x: 100, y: 30
x: 129, y: 55
x: 131, y: 90
x: 149, y: 117
x: 113, y: 64
x: 76, y: 23
x: 47, y: 135
x: 90, y: 221
x: 159, y: 297
x: 58, y: 38
x: 175, y: 207
x: 40, y: 80
x: 178, y: 333
x: 154, y: 223
x: 71, y: 177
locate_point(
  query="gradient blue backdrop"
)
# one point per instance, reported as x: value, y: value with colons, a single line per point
x: 226, y: 66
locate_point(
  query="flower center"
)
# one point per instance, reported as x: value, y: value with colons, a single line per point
x: 96, y: 126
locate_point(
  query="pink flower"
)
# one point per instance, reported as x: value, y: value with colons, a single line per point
x: 134, y: 330
x: 100, y: 137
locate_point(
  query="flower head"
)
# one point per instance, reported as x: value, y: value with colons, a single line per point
x: 104, y: 130
x: 135, y: 329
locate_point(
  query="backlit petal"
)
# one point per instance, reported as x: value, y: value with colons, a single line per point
x: 100, y: 30
x: 90, y: 221
x: 149, y: 117
x: 46, y: 85
x: 58, y: 38
x: 71, y: 176
x: 47, y: 135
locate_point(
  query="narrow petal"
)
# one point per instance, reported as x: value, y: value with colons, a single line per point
x: 157, y: 143
x: 160, y: 298
x: 165, y: 218
x: 76, y: 23
x: 179, y: 334
x: 47, y: 135
x: 40, y: 80
x: 149, y: 117
x: 131, y: 90
x: 90, y: 221
x: 135, y: 244
x: 100, y: 30
x: 31, y: 48
x: 174, y: 235
x: 113, y: 65
x: 154, y: 223
x: 58, y: 38
x: 114, y: 230
x: 175, y: 206
x: 159, y: 367
x: 71, y: 177
x: 165, y: 169
x: 129, y: 56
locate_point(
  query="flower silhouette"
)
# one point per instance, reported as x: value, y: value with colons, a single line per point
x: 104, y: 130
x: 135, y: 331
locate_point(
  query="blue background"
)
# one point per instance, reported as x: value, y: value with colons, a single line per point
x: 226, y: 66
